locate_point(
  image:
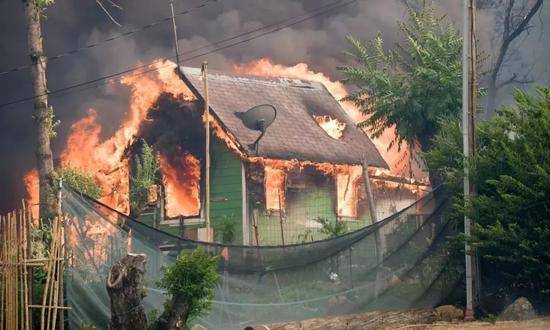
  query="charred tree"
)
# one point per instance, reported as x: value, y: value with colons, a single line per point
x: 514, y: 24
x: 125, y: 288
x: 43, y: 116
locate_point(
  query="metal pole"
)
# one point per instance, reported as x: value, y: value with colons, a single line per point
x: 466, y: 35
x: 175, y: 33
x: 207, y: 153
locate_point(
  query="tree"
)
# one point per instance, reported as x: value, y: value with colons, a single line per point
x: 511, y: 213
x: 44, y: 119
x: 513, y: 21
x: 190, y: 282
x: 43, y: 113
x: 411, y: 86
x: 81, y: 181
x: 145, y: 175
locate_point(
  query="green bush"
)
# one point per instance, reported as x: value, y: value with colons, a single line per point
x: 511, y: 173
x: 145, y: 175
x: 190, y: 282
x: 331, y: 229
x: 81, y: 181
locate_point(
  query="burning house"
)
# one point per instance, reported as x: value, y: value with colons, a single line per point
x: 268, y: 185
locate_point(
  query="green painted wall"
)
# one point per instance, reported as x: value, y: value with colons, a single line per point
x: 225, y: 191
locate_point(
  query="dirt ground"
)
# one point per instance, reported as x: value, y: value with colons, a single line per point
x: 537, y: 324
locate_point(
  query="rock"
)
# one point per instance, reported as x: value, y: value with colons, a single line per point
x: 449, y: 313
x: 520, y: 310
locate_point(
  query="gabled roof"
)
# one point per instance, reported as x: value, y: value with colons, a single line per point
x: 294, y: 134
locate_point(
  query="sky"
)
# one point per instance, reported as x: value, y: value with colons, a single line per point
x: 71, y: 24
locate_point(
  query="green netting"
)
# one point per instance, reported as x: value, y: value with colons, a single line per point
x: 399, y: 262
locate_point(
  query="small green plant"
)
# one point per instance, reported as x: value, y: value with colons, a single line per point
x: 145, y: 175
x: 190, y: 282
x: 81, y: 181
x: 306, y: 236
x: 152, y: 319
x: 224, y: 228
x: 331, y: 229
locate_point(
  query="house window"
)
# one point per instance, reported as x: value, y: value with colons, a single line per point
x: 274, y: 183
x: 347, y: 191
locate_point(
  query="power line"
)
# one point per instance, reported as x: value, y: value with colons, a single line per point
x: 275, y: 28
x: 112, y: 38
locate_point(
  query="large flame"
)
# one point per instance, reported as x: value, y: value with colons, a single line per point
x: 266, y: 68
x: 346, y: 191
x: 104, y: 157
x: 274, y: 183
x: 86, y: 150
x: 182, y: 185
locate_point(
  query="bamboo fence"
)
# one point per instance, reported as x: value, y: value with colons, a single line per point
x: 16, y: 269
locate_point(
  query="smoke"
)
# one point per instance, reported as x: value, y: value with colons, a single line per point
x: 71, y: 24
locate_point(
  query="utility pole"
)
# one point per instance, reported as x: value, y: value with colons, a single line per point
x: 43, y: 115
x: 469, y: 104
x: 175, y: 34
x: 207, y: 152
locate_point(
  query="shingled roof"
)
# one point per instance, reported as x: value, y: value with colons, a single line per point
x: 294, y: 134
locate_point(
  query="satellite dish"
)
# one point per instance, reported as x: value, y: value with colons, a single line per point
x: 258, y: 118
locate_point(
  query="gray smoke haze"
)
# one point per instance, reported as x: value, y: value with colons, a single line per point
x: 70, y: 24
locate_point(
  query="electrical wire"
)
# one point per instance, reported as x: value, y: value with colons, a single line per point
x: 275, y: 28
x: 112, y: 38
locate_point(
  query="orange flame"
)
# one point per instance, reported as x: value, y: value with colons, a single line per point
x: 87, y: 151
x: 346, y: 191
x: 265, y: 67
x: 274, y: 183
x: 331, y: 126
x: 182, y: 185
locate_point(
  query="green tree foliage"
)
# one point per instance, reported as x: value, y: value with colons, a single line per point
x: 511, y: 212
x: 190, y: 281
x: 145, y: 175
x: 81, y: 181
x: 412, y: 86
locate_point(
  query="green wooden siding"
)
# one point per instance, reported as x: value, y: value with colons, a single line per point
x: 303, y: 206
x: 225, y: 191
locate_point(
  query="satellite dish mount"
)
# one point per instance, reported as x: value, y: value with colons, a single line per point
x: 258, y: 118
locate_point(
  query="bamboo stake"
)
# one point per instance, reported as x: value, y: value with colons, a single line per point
x: 53, y: 283
x: 30, y: 277
x: 13, y: 284
x: 26, y: 273
x: 48, y: 277
x: 2, y: 273
x: 21, y: 270
x: 58, y: 281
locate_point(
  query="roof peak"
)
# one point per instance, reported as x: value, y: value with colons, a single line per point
x: 247, y: 78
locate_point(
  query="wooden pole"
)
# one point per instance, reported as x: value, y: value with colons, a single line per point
x: 207, y: 152
x: 255, y: 216
x: 281, y: 218
x: 368, y: 189
x: 175, y: 34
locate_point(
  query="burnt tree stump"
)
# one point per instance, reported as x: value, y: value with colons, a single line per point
x: 125, y: 288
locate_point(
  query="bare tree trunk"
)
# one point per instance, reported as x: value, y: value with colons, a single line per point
x: 125, y: 288
x: 42, y: 115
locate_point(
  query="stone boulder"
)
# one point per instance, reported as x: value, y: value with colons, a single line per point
x: 449, y: 313
x: 520, y: 310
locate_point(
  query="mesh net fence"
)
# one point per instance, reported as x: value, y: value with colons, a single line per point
x: 399, y: 262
